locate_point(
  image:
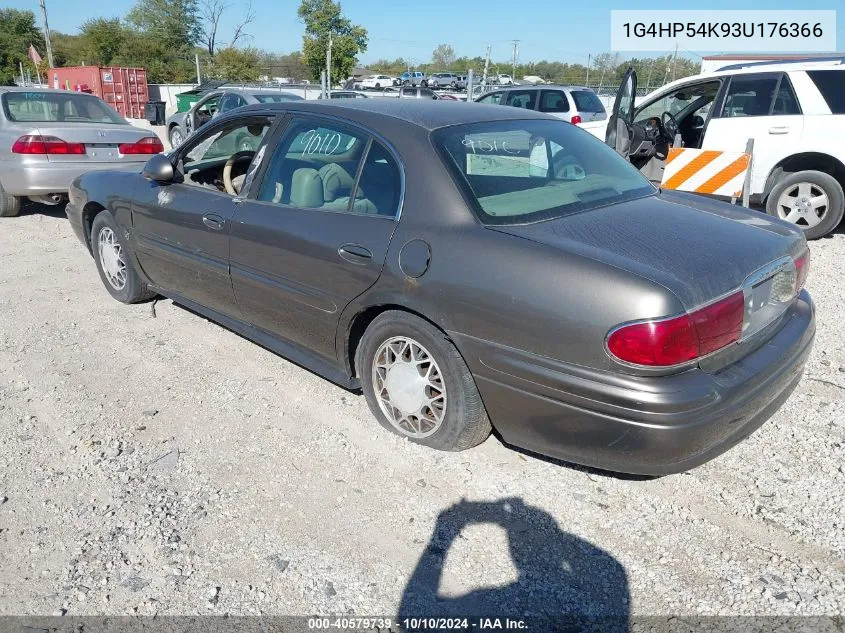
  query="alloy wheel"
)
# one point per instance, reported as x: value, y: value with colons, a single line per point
x: 409, y: 387
x: 804, y: 204
x: 111, y: 258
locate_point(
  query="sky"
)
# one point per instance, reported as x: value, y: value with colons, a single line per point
x: 547, y: 29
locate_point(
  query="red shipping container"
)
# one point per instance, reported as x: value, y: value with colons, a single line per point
x: 124, y: 89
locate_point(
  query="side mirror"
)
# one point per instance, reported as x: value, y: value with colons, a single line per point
x: 160, y: 169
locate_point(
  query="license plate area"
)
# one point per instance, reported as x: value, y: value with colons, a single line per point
x: 768, y: 294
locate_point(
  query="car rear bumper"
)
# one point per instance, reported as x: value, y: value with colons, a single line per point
x: 45, y: 178
x: 633, y: 424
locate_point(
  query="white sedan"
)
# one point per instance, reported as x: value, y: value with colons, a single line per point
x: 376, y: 81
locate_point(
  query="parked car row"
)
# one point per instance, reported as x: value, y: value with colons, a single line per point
x: 49, y: 137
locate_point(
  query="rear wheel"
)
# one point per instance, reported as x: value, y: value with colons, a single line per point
x: 417, y: 384
x: 811, y: 200
x: 9, y: 205
x: 113, y: 261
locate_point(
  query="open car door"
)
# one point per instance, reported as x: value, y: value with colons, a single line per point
x: 620, y: 126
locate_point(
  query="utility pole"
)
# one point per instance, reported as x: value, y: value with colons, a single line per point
x: 197, y: 60
x: 674, y: 57
x: 589, y: 58
x: 329, y: 68
x: 513, y: 65
x: 47, y: 34
x: 486, y: 66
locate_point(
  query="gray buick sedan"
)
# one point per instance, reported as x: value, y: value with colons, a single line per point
x: 543, y: 288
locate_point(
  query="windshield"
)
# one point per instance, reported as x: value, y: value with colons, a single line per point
x: 533, y: 170
x: 57, y: 107
x: 587, y: 101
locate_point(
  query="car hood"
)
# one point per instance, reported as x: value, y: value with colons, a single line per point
x: 696, y: 247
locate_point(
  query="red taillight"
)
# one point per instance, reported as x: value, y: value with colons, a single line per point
x: 147, y: 145
x: 655, y: 343
x: 576, y: 119
x: 802, y: 269
x: 38, y: 144
x: 680, y: 339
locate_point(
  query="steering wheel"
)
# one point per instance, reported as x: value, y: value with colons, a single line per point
x: 227, y: 169
x: 670, y: 125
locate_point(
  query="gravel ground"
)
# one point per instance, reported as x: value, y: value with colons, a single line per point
x: 154, y: 462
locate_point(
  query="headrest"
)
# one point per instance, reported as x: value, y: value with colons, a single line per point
x: 306, y: 190
x: 336, y: 181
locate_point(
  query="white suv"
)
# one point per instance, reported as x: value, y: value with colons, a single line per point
x: 794, y: 111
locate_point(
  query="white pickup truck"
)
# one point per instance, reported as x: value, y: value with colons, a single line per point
x: 794, y: 111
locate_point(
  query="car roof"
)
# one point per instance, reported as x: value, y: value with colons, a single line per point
x: 541, y: 87
x: 428, y: 114
x: 46, y: 90
x: 753, y: 69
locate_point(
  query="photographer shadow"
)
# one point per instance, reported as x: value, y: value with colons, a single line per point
x: 564, y: 583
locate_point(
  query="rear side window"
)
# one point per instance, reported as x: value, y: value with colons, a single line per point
x: 831, y: 83
x: 523, y: 99
x: 785, y: 100
x: 757, y: 95
x: 553, y: 101
x: 587, y: 101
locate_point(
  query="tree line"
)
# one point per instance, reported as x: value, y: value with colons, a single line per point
x: 164, y: 36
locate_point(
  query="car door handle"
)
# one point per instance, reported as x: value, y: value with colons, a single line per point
x: 355, y: 254
x: 779, y: 130
x: 214, y: 222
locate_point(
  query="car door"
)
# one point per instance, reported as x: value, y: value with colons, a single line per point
x: 762, y: 106
x: 314, y: 233
x: 619, y: 126
x: 182, y: 228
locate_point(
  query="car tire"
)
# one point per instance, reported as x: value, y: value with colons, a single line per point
x: 115, y: 266
x: 800, y: 188
x: 10, y: 205
x: 175, y: 137
x: 378, y: 85
x: 406, y: 83
x: 402, y: 344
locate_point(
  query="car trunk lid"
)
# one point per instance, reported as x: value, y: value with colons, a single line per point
x: 101, y: 142
x: 698, y: 249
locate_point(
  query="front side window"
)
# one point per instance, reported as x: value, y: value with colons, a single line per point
x: 205, y: 159
x: 57, y: 107
x: 535, y: 170
x: 749, y: 96
x: 316, y: 166
x: 523, y: 99
x: 553, y: 101
x: 493, y: 98
x: 685, y: 99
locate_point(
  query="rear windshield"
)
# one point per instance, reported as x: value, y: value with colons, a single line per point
x: 831, y: 83
x: 265, y: 98
x: 587, y: 101
x: 56, y: 107
x: 529, y: 171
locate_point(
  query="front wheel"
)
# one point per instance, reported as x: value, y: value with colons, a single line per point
x: 811, y: 200
x: 418, y: 385
x: 113, y: 261
x: 176, y: 137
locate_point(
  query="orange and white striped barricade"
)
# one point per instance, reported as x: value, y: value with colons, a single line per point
x: 709, y: 172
